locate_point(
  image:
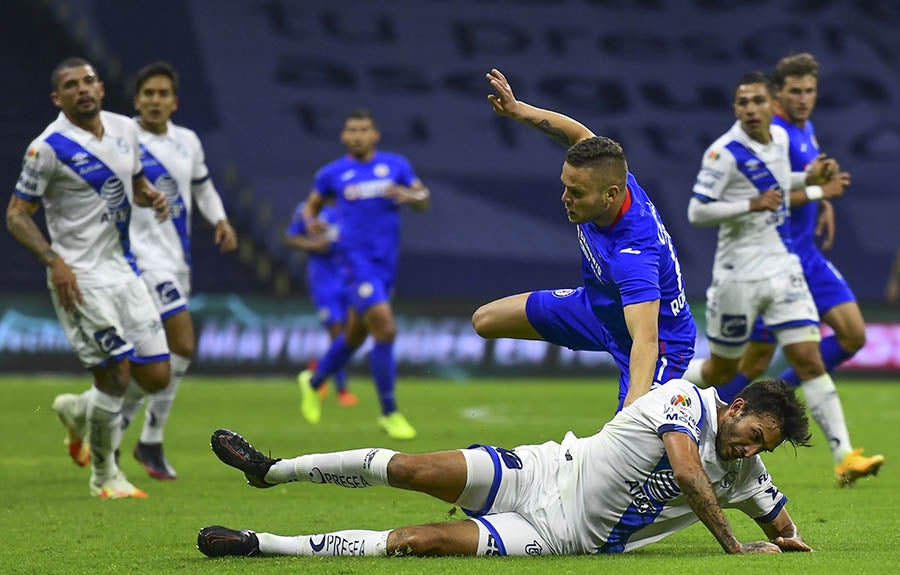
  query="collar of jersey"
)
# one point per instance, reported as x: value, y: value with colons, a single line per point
x: 625, y: 205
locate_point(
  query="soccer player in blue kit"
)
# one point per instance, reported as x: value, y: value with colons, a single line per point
x: 369, y: 187
x: 632, y: 303
x: 796, y: 85
x: 325, y: 282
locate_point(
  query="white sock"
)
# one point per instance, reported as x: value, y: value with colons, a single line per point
x: 84, y: 401
x: 355, y: 468
x: 104, y: 422
x: 357, y: 542
x: 159, y: 404
x: 694, y: 372
x: 825, y: 407
x: 131, y: 403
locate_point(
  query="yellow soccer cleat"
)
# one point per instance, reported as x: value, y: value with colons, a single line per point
x: 115, y: 487
x: 856, y: 465
x: 310, y: 402
x: 396, y: 426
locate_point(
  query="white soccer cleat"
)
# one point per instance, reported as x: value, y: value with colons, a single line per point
x: 66, y: 406
x: 115, y: 487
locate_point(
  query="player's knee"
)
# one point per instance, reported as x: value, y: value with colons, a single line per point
x: 183, y: 347
x: 806, y: 361
x: 853, y: 340
x: 719, y: 372
x: 153, y: 376
x: 754, y: 367
x: 421, y: 540
x: 404, y: 471
x: 482, y: 321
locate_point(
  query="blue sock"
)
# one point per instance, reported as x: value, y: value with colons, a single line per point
x: 730, y: 390
x: 334, y: 359
x: 384, y: 372
x: 833, y: 355
x: 340, y: 379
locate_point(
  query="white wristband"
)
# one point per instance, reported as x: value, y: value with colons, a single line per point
x: 814, y: 193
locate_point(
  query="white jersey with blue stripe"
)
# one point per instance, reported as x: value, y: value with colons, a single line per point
x: 85, y: 185
x: 176, y: 166
x: 619, y: 492
x: 750, y: 246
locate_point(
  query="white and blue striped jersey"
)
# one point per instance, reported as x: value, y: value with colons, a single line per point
x: 753, y: 245
x: 617, y: 487
x: 85, y: 185
x: 175, y: 164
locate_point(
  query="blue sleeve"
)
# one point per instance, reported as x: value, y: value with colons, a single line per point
x: 405, y: 173
x: 297, y: 227
x: 635, y: 270
x: 322, y: 183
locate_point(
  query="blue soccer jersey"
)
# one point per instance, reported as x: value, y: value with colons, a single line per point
x: 370, y: 221
x: 634, y: 261
x: 631, y: 261
x: 324, y: 275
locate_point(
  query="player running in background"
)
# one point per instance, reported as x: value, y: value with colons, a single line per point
x: 324, y: 280
x: 675, y: 455
x: 632, y: 304
x: 369, y: 187
x: 796, y: 81
x: 744, y: 186
x: 85, y: 169
x: 173, y: 159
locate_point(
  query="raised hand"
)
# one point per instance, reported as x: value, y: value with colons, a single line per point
x: 504, y: 101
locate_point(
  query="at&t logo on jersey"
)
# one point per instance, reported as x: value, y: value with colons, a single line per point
x: 113, y: 193
x: 168, y: 186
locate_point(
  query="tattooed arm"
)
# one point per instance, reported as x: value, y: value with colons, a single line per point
x: 20, y: 223
x: 701, y: 496
x: 560, y: 128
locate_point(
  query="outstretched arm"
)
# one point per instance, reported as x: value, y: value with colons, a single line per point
x: 694, y: 482
x: 561, y: 128
x: 642, y: 320
x: 782, y: 532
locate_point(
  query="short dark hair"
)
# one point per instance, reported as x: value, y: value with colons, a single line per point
x: 774, y: 397
x: 362, y: 114
x: 73, y: 62
x: 601, y: 152
x: 755, y: 78
x: 159, y: 68
x: 795, y: 65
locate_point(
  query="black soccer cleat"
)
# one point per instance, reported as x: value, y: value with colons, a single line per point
x: 237, y: 452
x: 151, y: 456
x: 218, y: 541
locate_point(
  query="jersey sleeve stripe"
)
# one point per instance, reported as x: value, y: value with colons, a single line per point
x: 703, y: 198
x: 26, y: 197
x: 771, y: 515
x: 198, y: 181
x: 677, y: 428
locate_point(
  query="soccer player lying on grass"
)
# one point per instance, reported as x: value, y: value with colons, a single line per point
x: 674, y: 456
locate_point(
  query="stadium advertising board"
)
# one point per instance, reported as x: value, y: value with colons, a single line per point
x: 257, y: 335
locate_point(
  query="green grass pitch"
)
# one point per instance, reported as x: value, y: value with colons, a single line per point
x: 51, y: 524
